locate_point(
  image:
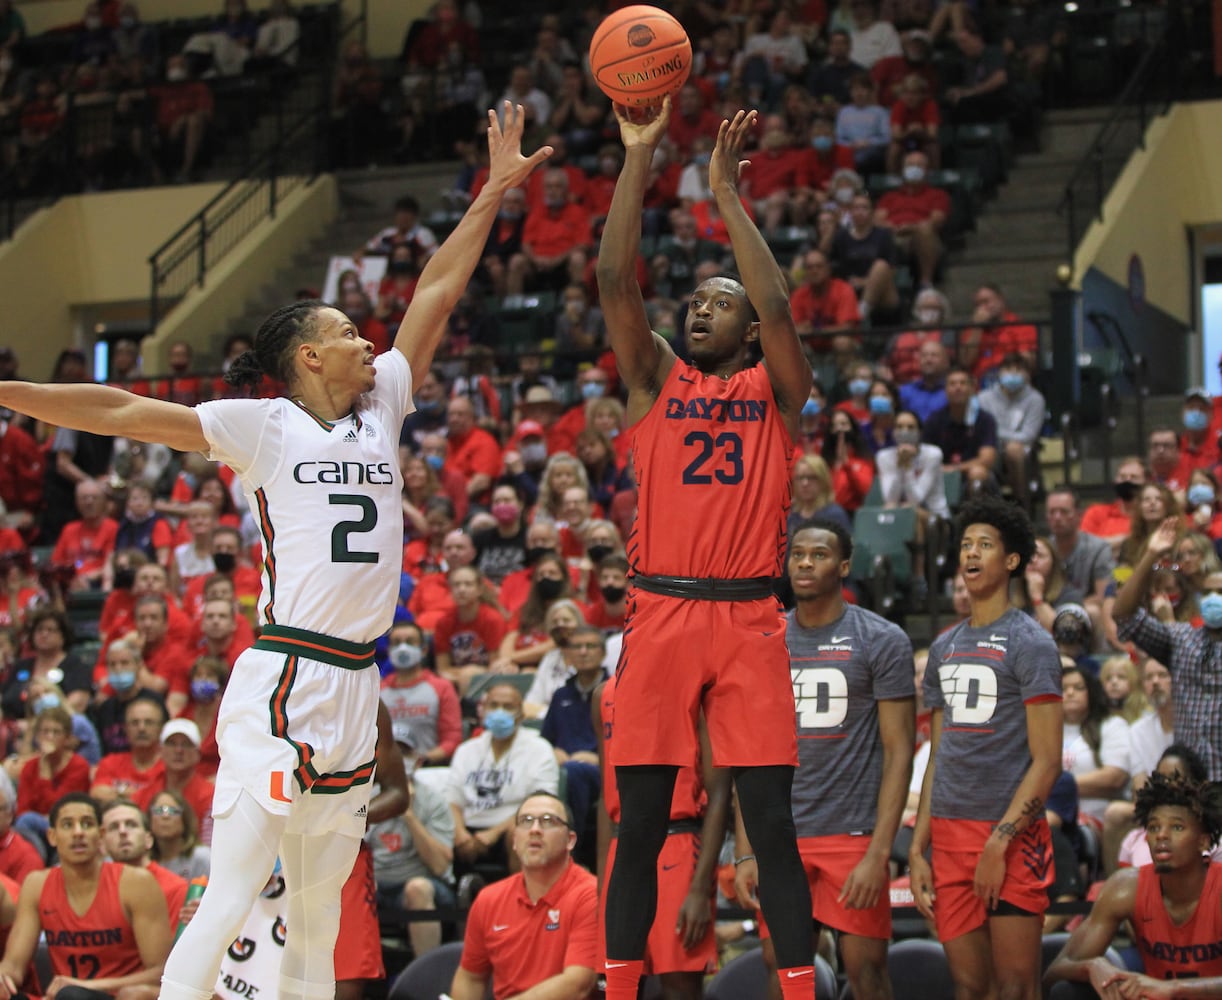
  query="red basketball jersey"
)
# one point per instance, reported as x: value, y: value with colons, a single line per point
x: 1190, y: 951
x: 98, y: 945
x: 712, y: 464
x: 689, y: 799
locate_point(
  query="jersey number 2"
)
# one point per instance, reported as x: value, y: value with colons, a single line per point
x: 340, y: 540
x: 733, y: 445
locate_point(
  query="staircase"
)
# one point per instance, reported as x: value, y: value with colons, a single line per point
x: 1020, y: 239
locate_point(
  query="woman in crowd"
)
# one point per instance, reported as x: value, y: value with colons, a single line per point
x: 1122, y: 688
x: 423, y: 554
x: 1201, y: 508
x: 883, y: 402
x: 209, y: 675
x: 55, y: 771
x: 527, y: 641
x: 812, y: 422
x: 910, y: 475
x: 1095, y: 745
x: 1155, y: 503
x: 1196, y: 558
x: 175, y: 830
x: 561, y: 472
x: 48, y: 637
x: 420, y: 485
x: 606, y: 414
x: 467, y: 638
x: 603, y: 470
x: 929, y: 308
x: 849, y: 458
x: 1044, y: 588
x: 813, y: 496
x: 562, y: 617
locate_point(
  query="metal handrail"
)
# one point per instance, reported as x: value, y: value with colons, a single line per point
x: 1092, y: 165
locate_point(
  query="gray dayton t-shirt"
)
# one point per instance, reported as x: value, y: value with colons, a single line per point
x: 982, y: 678
x: 840, y: 672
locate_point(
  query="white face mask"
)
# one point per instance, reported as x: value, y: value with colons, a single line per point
x: 176, y: 74
x: 929, y: 315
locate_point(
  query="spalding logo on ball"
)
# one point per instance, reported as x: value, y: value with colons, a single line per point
x: 640, y: 54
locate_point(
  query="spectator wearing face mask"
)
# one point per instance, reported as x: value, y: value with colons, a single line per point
x: 910, y: 475
x: 1199, y: 442
x: 1111, y: 521
x: 916, y: 212
x: 423, y: 708
x: 1018, y: 408
x: 1073, y: 632
x: 929, y: 308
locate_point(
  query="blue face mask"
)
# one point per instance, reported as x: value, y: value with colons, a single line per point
x: 500, y: 722
x: 823, y: 143
x: 435, y: 462
x: 1012, y: 381
x: 592, y: 390
x: 1211, y: 610
x: 204, y: 689
x: 859, y: 386
x: 1196, y: 420
x: 122, y: 681
x: 1200, y: 493
x: 880, y: 404
x: 45, y: 701
x: 811, y: 408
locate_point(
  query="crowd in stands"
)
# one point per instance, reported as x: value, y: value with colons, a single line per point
x: 518, y: 490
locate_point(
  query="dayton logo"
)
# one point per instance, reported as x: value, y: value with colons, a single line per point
x: 553, y: 920
x: 640, y: 36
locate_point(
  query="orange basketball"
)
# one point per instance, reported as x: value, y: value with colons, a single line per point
x: 640, y: 54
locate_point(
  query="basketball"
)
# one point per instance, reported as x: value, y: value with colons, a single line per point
x: 640, y: 54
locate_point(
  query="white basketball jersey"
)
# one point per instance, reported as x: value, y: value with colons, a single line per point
x: 327, y: 498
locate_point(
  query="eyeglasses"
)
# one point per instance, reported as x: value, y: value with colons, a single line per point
x: 547, y: 821
x: 166, y: 811
x: 585, y: 645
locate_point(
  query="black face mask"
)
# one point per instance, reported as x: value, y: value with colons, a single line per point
x: 537, y: 552
x: 1126, y: 491
x: 224, y: 561
x: 124, y: 578
x: 613, y: 595
x: 598, y: 553
x: 549, y: 589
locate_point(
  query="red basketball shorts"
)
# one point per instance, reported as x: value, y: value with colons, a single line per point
x: 664, y: 951
x: 957, y: 846
x: 728, y: 657
x: 828, y: 862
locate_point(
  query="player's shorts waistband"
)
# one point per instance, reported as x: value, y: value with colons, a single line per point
x: 316, y: 646
x: 691, y: 825
x: 706, y: 588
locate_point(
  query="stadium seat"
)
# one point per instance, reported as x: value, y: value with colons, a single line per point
x: 919, y: 970
x: 1054, y: 942
x: 428, y: 976
x: 889, y: 532
x: 746, y: 978
x: 482, y: 682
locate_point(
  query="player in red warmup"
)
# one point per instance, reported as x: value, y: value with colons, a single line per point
x: 712, y: 445
x: 1174, y: 905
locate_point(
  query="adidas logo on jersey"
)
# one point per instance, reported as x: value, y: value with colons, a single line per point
x: 362, y: 812
x: 351, y: 435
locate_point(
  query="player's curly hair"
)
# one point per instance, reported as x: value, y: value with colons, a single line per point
x: 1202, y: 799
x: 1011, y: 522
x: 843, y: 538
x: 275, y: 341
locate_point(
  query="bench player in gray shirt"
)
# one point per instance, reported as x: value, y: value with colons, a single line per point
x: 993, y: 683
x: 852, y: 677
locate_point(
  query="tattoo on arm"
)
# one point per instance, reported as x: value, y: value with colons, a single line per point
x: 1007, y: 831
x: 1030, y: 812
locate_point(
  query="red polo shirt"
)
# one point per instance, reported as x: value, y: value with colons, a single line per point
x: 906, y: 206
x: 837, y: 306
x: 550, y: 233
x: 519, y: 943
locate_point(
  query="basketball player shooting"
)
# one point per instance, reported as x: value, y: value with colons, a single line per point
x: 712, y: 445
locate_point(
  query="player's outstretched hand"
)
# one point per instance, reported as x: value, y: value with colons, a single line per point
x: 507, y: 167
x: 920, y: 878
x: 1164, y: 537
x: 643, y: 126
x: 726, y: 163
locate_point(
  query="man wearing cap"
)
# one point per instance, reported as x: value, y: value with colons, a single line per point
x: 1199, y: 442
x: 541, y: 406
x: 526, y: 457
x: 180, y: 742
x: 424, y: 709
x: 536, y: 930
x: 472, y: 450
x: 1169, y: 466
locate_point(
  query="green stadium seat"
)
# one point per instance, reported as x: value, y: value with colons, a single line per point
x: 482, y: 682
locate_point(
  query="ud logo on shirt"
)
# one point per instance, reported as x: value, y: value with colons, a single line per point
x: 553, y: 920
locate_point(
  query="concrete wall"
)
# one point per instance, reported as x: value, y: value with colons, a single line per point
x: 1166, y: 188
x: 388, y: 19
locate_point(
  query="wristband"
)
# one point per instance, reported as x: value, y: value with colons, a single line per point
x: 745, y: 857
